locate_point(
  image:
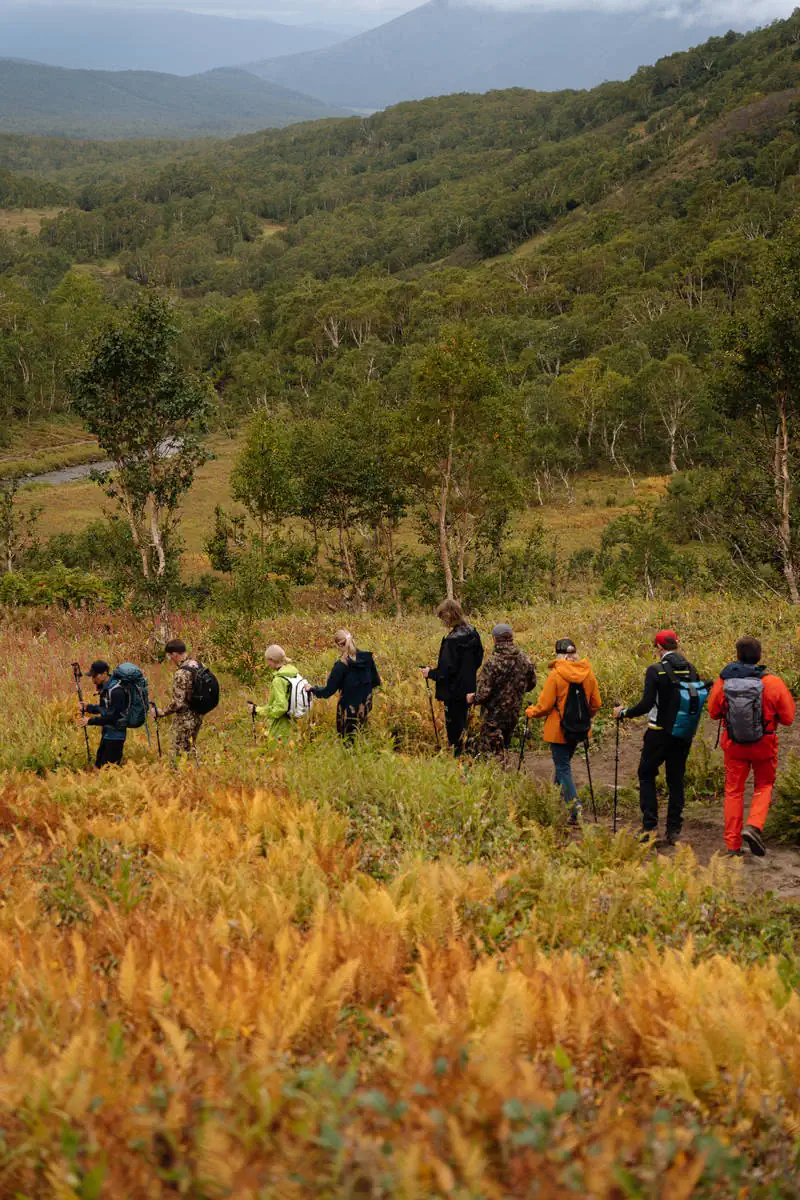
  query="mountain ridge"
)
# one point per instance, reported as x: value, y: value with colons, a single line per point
x: 485, y: 49
x: 39, y: 98
x: 170, y: 41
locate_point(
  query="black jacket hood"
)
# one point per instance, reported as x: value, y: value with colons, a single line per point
x: 740, y: 670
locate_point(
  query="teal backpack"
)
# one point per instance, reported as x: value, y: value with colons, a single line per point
x: 135, y: 685
x: 692, y: 696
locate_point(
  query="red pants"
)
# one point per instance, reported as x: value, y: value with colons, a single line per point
x: 736, y: 772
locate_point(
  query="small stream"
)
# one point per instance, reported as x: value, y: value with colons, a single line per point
x: 67, y: 474
x: 84, y: 470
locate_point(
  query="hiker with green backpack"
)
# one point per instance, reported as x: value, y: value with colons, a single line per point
x: 122, y: 705
x: 673, y: 699
x: 570, y: 698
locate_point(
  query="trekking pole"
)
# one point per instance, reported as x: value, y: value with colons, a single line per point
x: 616, y: 777
x: 589, y: 773
x: 433, y: 714
x: 719, y: 733
x: 76, y: 675
x: 525, y: 733
x: 252, y: 706
x: 155, y: 722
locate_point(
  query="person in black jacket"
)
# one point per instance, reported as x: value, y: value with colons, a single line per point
x: 108, y: 713
x: 354, y: 677
x: 456, y: 673
x: 660, y: 700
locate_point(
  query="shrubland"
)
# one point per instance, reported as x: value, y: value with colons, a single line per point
x: 311, y: 970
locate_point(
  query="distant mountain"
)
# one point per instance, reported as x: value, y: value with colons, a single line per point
x: 121, y: 104
x: 181, y: 43
x: 447, y: 47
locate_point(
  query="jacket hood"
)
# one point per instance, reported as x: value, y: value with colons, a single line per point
x: 507, y: 649
x: 572, y: 670
x: 288, y: 671
x: 675, y: 660
x: 463, y: 633
x: 363, y: 657
x: 739, y: 670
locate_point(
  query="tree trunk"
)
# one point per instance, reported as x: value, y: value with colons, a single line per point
x: 444, y: 551
x: 783, y: 495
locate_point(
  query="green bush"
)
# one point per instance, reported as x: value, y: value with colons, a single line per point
x: 67, y: 587
x: 783, y: 822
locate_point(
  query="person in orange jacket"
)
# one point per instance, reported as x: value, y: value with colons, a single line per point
x: 566, y: 668
x: 752, y: 703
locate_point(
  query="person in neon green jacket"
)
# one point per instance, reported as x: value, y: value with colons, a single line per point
x: 276, y: 708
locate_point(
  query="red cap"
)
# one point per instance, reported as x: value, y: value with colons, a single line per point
x: 665, y: 635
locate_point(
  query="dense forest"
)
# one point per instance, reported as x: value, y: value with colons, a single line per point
x: 443, y: 314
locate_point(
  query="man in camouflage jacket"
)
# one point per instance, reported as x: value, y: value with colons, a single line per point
x: 504, y: 680
x: 185, y: 723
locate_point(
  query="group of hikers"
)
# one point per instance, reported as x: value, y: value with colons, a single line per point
x: 748, y: 700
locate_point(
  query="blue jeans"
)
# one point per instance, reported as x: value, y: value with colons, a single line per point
x: 562, y: 761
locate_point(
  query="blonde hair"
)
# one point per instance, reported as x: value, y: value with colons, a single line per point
x: 343, y: 640
x: 276, y: 654
x: 451, y: 612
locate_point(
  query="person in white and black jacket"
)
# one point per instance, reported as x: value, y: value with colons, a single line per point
x: 660, y: 701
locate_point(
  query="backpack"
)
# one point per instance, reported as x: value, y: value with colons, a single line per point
x: 744, y: 710
x: 134, y: 684
x: 576, y: 719
x: 692, y: 696
x: 205, y: 689
x: 298, y: 699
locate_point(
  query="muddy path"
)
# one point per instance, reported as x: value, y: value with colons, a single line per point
x: 778, y: 872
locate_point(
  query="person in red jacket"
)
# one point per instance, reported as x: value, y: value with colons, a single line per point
x: 752, y: 703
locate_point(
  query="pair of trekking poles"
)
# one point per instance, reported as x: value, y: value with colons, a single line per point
x: 77, y: 675
x: 588, y: 768
x: 525, y: 736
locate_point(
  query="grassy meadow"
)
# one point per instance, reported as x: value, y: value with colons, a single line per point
x: 311, y: 971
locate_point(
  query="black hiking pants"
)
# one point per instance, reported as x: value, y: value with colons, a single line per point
x: 109, y: 753
x: 662, y: 748
x: 456, y: 714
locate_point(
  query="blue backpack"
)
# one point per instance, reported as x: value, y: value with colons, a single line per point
x: 135, y: 685
x: 692, y: 696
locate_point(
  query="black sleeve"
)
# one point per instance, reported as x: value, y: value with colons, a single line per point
x: 334, y: 684
x: 374, y: 678
x: 479, y: 654
x: 649, y: 695
x: 92, y: 708
x: 115, y: 709
x: 446, y: 665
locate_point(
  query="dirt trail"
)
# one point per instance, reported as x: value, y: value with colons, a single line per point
x: 778, y: 872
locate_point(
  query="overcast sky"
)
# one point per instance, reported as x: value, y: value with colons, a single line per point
x: 740, y: 13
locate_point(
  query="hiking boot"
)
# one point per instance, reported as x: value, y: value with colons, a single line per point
x: 753, y: 837
x: 648, y: 836
x: 733, y: 853
x: 576, y: 812
x: 672, y: 837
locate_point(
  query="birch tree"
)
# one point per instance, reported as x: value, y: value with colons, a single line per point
x: 148, y: 414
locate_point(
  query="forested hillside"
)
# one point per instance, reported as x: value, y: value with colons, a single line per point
x: 590, y: 263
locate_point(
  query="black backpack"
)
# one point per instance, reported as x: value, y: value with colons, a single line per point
x: 205, y: 690
x: 576, y: 719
